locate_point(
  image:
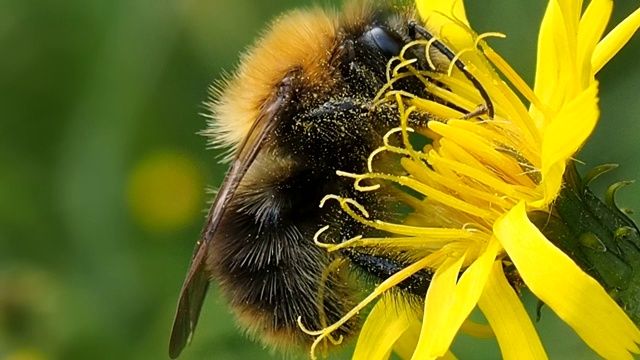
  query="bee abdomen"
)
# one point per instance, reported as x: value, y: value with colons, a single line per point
x: 267, y: 264
x: 278, y: 280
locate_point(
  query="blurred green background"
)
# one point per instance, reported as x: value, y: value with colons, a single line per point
x: 102, y: 175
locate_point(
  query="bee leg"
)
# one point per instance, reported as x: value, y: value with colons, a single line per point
x: 344, y: 58
x: 383, y: 268
x: 479, y: 111
x: 415, y: 28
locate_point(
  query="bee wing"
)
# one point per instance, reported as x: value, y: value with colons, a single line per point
x: 197, y: 281
x: 190, y: 303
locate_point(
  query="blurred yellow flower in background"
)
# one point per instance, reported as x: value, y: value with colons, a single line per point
x: 164, y: 191
x: 478, y: 179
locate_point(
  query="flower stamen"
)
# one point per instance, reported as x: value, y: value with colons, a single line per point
x: 389, y: 283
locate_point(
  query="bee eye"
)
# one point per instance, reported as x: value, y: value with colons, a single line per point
x: 386, y: 43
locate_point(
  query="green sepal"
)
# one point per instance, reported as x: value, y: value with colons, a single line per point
x: 596, y: 172
x: 598, y: 236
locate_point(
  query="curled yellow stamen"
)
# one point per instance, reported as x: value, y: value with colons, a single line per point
x: 392, y: 281
x: 333, y: 247
x: 320, y: 298
x: 364, y: 211
x: 427, y: 55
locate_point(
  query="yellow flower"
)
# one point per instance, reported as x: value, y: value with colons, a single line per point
x: 477, y: 180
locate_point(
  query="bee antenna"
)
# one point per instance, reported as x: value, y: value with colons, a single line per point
x: 415, y: 28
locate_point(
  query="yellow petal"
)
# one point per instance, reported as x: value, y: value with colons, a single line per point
x: 440, y: 297
x: 550, y: 186
x: 384, y: 325
x: 508, y: 318
x: 546, y: 70
x: 571, y: 10
x: 406, y: 344
x: 449, y: 304
x: 592, y: 26
x: 615, y: 40
x: 476, y: 330
x: 440, y: 18
x: 572, y: 294
x: 570, y: 129
x: 551, y: 42
x: 565, y: 29
x: 448, y: 356
x: 453, y: 9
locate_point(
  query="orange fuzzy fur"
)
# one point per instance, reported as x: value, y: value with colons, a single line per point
x: 301, y: 39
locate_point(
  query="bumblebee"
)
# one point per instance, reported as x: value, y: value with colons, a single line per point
x: 299, y: 108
